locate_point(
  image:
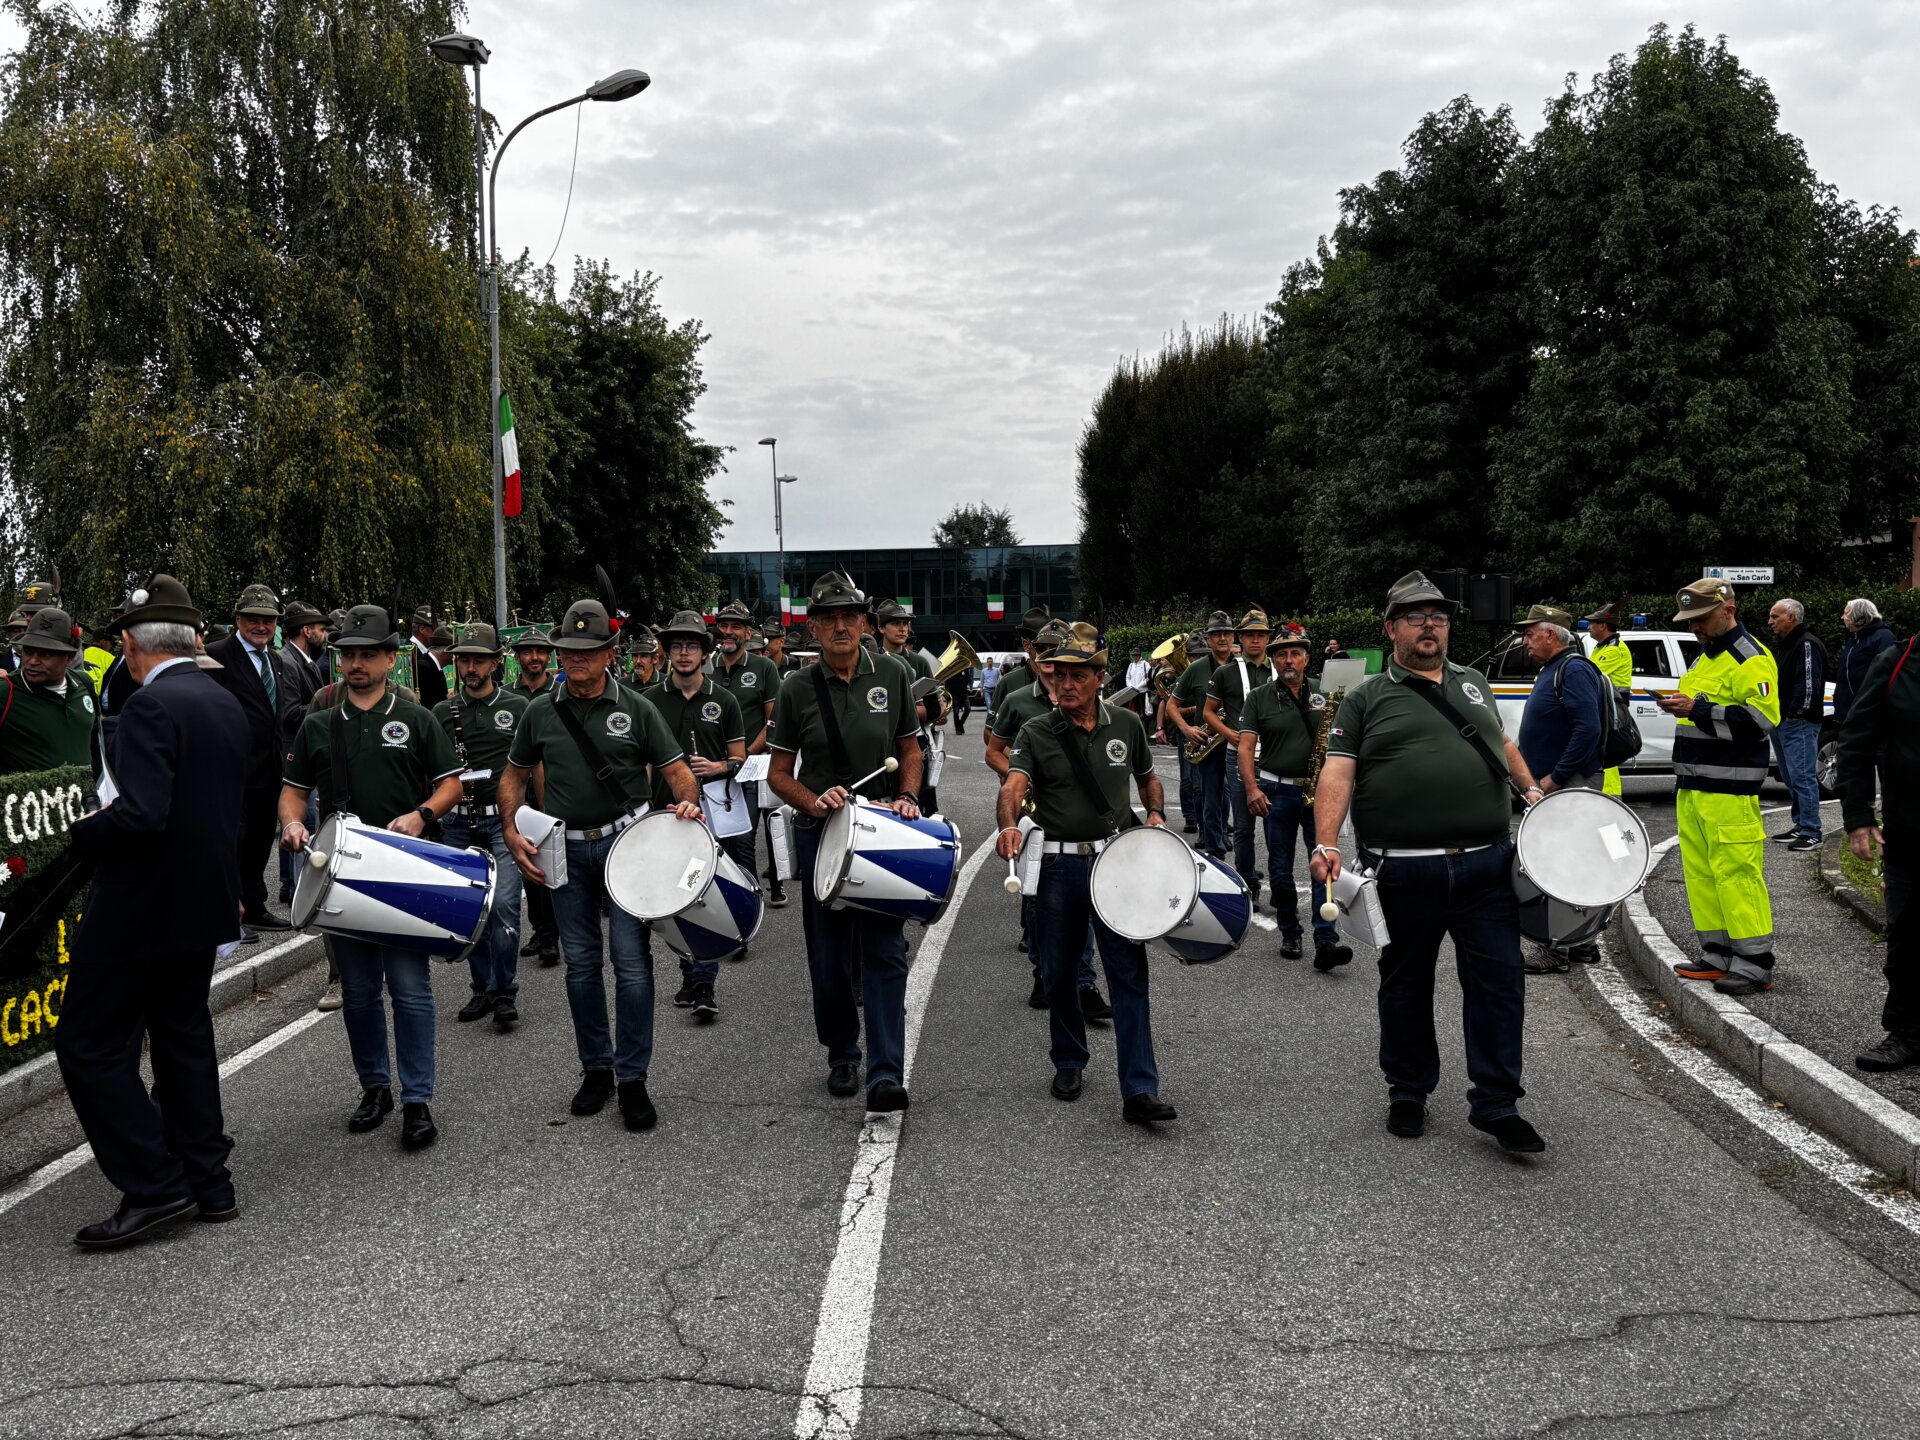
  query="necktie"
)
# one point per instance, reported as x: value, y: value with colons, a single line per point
x: 266, y: 677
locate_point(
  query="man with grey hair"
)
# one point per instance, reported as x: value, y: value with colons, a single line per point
x: 1867, y: 636
x: 1802, y: 661
x: 1560, y: 734
x: 166, y: 894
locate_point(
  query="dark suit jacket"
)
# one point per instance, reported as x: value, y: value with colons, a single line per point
x: 300, y: 679
x: 241, y: 679
x: 167, y: 878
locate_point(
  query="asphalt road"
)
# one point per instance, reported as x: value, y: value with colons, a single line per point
x: 1272, y: 1263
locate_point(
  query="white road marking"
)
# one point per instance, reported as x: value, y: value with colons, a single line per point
x: 81, y: 1154
x: 830, y: 1409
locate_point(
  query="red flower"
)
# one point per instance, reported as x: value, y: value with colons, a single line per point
x: 17, y: 866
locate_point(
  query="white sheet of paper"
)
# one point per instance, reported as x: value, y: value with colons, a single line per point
x: 756, y: 768
x: 724, y: 818
x: 467, y: 777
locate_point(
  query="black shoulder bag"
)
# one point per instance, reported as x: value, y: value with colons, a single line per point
x: 602, y: 767
x: 836, y: 742
x: 1468, y: 732
x: 337, y: 760
x: 1064, y: 729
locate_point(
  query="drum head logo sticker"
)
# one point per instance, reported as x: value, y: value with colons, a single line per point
x: 1317, y: 702
x: 710, y: 711
x: 395, y: 732
x: 1473, y: 694
x: 503, y: 720
x: 1117, y: 751
x: 877, y: 699
x: 619, y: 723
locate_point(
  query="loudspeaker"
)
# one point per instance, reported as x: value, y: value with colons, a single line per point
x: 1450, y: 583
x: 1489, y: 599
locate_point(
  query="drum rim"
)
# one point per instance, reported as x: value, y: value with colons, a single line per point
x: 620, y: 840
x: 1180, y: 919
x: 1646, y: 850
x: 325, y: 882
x: 843, y: 863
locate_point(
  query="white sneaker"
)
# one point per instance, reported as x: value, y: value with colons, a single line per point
x: 333, y: 999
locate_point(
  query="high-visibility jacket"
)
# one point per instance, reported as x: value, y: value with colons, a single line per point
x: 1615, y: 662
x: 97, y: 660
x: 1722, y: 746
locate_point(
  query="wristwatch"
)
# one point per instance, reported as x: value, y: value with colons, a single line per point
x: 427, y: 817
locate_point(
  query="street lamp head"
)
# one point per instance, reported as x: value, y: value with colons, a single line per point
x: 457, y: 49
x: 768, y: 441
x: 786, y: 479
x: 621, y: 85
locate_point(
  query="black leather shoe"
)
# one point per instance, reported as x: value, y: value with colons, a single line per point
x: 1892, y: 1053
x: 218, y: 1212
x: 1066, y: 1085
x: 1289, y: 947
x: 1741, y: 985
x: 506, y: 1012
x: 886, y: 1095
x: 1023, y: 945
x: 596, y: 1088
x: 1407, y: 1119
x: 266, y: 920
x: 683, y: 997
x: 249, y: 935
x: 549, y: 957
x: 417, y: 1130
x: 534, y: 947
x: 843, y: 1079
x: 705, y: 1007
x: 1093, y: 1005
x: 1253, y: 891
x: 1037, y: 997
x: 375, y: 1105
x: 1189, y: 828
x: 1515, y: 1135
x: 1147, y: 1110
x: 477, y: 1006
x: 635, y: 1108
x: 777, y: 895
x: 134, y: 1222
x: 1331, y: 957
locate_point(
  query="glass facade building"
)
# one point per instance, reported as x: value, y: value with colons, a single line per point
x: 948, y: 589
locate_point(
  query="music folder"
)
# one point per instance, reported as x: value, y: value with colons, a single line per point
x: 550, y: 838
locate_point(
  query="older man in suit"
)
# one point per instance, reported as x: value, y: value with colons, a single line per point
x: 252, y: 674
x: 165, y: 895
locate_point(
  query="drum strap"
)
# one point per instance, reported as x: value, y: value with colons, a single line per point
x: 1069, y: 738
x: 337, y: 760
x: 1468, y: 731
x: 836, y: 742
x: 601, y: 766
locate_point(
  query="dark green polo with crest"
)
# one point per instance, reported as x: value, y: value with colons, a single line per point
x: 875, y: 711
x: 704, y: 723
x: 622, y: 727
x: 1117, y: 753
x: 396, y: 753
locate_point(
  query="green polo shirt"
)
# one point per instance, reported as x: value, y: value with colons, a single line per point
x: 1285, y: 725
x: 485, y: 735
x: 1017, y: 676
x: 43, y: 730
x: 1416, y: 786
x: 1224, y: 685
x: 395, y: 754
x: 1118, y: 754
x: 1190, y: 690
x: 754, y: 684
x: 703, y: 723
x: 626, y: 731
x: 875, y: 714
x: 1017, y: 706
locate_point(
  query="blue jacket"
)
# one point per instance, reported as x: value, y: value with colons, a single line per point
x: 1802, y: 661
x: 1862, y: 649
x: 1560, y: 732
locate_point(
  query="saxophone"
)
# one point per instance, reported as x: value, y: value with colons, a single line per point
x: 1319, y: 756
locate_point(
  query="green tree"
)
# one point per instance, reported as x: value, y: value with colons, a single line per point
x: 1690, y: 400
x: 239, y: 329
x: 970, y: 527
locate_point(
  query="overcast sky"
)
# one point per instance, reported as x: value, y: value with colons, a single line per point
x: 921, y: 233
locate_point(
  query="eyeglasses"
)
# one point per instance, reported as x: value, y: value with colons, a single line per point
x: 685, y: 645
x: 1426, y: 619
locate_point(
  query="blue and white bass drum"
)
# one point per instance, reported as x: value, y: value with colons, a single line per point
x: 1151, y: 886
x: 872, y: 859
x: 392, y: 889
x: 672, y: 876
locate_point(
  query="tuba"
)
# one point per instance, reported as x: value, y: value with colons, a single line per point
x: 958, y: 656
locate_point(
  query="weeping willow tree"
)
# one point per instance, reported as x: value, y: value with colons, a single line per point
x: 239, y: 323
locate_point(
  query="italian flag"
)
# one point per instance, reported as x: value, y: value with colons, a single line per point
x: 509, y: 460
x: 799, y: 608
x: 906, y: 603
x: 786, y: 603
x: 996, y: 607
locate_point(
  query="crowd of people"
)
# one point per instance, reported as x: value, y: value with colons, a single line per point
x: 210, y: 754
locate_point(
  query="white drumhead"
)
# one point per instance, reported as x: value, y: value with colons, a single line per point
x: 1145, y: 883
x: 836, y: 849
x: 660, y: 865
x: 1584, y: 848
x: 310, y: 885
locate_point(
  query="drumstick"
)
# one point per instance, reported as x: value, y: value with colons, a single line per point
x: 1329, y: 911
x: 316, y: 858
x: 1012, y: 883
x: 888, y: 768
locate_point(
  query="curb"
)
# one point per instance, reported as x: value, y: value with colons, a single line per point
x: 1835, y: 881
x: 38, y: 1079
x: 1857, y: 1116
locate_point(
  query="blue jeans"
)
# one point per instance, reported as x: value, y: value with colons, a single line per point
x: 1210, y: 775
x: 495, y: 961
x: 1424, y: 899
x: 838, y: 941
x: 363, y: 967
x: 1245, y: 864
x: 627, y: 1048
x: 1088, y: 976
x: 1063, y: 912
x: 290, y: 861
x: 1797, y: 743
x: 1291, y: 817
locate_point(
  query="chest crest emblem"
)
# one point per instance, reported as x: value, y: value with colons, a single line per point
x: 877, y: 699
x: 619, y: 723
x: 395, y: 732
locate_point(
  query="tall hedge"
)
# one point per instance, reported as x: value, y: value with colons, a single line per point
x: 41, y: 891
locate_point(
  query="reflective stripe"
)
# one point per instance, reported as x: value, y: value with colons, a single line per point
x: 1748, y: 774
x: 1721, y: 941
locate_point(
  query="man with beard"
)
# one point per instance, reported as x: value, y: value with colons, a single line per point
x: 533, y: 656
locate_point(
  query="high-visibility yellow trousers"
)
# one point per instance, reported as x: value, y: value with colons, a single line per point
x: 1722, y: 849
x: 1610, y: 783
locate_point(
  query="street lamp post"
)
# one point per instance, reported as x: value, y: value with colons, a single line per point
x: 621, y: 85
x: 779, y: 529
